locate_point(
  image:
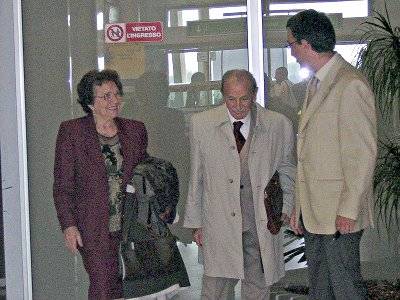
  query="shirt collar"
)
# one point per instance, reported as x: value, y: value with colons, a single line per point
x: 245, y: 120
x: 324, y: 71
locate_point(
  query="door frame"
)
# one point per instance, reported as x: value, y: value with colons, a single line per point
x: 14, y: 154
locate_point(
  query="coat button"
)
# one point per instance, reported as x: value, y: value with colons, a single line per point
x: 231, y: 180
x: 233, y: 214
x: 233, y: 147
x: 241, y: 186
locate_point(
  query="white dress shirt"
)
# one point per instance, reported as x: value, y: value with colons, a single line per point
x: 245, y: 129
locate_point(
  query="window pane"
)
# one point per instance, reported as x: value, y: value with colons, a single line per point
x: 181, y: 17
x: 227, y: 12
x: 349, y: 9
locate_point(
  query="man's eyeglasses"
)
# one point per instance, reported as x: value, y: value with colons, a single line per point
x: 289, y: 44
x: 108, y: 96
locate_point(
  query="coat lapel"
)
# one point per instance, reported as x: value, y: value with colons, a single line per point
x: 262, y: 128
x: 128, y: 147
x: 223, y: 125
x: 325, y: 87
x: 92, y: 143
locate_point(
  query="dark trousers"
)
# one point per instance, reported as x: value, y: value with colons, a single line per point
x: 334, y: 266
x: 102, y: 268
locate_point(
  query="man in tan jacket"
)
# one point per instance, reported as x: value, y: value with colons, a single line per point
x: 336, y: 159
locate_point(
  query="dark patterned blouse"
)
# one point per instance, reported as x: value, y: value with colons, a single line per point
x: 111, y: 149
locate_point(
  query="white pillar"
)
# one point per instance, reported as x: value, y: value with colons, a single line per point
x: 255, y: 45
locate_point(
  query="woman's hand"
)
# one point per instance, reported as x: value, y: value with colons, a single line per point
x: 72, y: 238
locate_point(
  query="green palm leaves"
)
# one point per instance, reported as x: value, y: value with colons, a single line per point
x: 380, y: 62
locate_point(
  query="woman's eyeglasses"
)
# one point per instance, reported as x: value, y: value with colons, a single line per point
x: 108, y: 96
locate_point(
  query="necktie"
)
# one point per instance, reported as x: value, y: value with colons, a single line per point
x: 240, y: 140
x: 312, y: 89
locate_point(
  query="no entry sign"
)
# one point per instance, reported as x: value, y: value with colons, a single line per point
x: 134, y: 32
x: 144, y: 32
x: 115, y: 33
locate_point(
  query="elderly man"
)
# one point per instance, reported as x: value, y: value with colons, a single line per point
x: 235, y: 150
x: 336, y: 159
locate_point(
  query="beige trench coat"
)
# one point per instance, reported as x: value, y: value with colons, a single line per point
x: 213, y: 198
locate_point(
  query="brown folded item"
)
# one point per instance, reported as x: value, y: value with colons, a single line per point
x: 273, y: 201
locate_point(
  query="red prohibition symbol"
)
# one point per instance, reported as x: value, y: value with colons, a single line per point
x: 115, y: 32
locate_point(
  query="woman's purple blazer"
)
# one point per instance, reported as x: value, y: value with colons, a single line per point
x: 80, y: 187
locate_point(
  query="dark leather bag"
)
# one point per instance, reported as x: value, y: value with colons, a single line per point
x: 145, y: 249
x: 149, y: 258
x: 273, y: 201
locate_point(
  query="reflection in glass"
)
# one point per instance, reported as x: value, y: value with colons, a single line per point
x: 204, y: 90
x: 100, y: 21
x: 228, y: 12
x: 181, y: 17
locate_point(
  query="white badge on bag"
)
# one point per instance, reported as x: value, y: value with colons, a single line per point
x: 130, y: 189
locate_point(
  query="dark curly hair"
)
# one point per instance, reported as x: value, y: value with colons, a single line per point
x: 314, y: 27
x: 91, y: 79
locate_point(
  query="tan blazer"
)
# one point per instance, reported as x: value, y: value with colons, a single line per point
x: 337, y: 148
x: 214, y: 190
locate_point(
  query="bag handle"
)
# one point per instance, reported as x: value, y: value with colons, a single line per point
x: 127, y: 214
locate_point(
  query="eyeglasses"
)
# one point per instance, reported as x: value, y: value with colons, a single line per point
x: 289, y: 44
x: 108, y: 96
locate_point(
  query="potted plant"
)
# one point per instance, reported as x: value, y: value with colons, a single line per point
x: 380, y: 62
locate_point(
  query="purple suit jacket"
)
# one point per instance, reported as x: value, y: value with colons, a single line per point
x: 80, y: 187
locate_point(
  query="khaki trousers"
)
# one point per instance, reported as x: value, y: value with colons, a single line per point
x: 253, y: 284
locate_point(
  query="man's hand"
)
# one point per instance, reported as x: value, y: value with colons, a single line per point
x: 296, y: 227
x: 165, y: 215
x: 344, y: 225
x: 72, y: 239
x: 198, y: 236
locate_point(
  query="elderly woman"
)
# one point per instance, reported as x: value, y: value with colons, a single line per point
x: 94, y: 160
